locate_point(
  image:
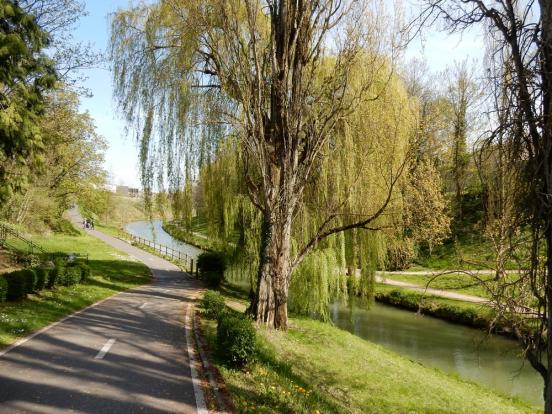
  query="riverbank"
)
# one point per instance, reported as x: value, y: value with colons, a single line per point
x: 112, y: 272
x: 195, y: 239
x: 315, y: 367
x: 469, y: 313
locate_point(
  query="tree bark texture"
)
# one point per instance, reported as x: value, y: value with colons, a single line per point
x: 546, y: 175
x: 270, y: 304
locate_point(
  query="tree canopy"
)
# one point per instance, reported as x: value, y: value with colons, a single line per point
x: 26, y: 73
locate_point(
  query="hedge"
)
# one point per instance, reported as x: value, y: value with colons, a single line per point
x: 211, y: 266
x: 235, y: 339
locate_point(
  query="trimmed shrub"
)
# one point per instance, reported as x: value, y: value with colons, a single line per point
x: 212, y: 304
x: 30, y: 280
x: 85, y: 272
x: 235, y: 339
x: 3, y: 289
x: 56, y: 276
x: 17, y: 285
x: 211, y: 266
x: 41, y: 278
x: 72, y: 276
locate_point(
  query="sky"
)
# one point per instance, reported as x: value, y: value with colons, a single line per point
x: 121, y: 161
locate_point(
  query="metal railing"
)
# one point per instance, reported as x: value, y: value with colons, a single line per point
x: 5, y: 232
x: 187, y: 261
x: 11, y: 239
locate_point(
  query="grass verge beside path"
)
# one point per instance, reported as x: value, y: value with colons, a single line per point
x: 112, y: 272
x: 317, y: 368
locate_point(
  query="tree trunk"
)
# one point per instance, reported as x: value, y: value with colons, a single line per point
x: 546, y: 168
x: 547, y: 379
x: 270, y: 302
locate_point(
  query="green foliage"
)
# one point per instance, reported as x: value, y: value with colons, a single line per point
x: 26, y: 73
x: 17, y: 285
x: 72, y: 276
x: 42, y: 274
x: 400, y: 254
x: 30, y: 280
x: 418, y: 302
x: 235, y: 339
x: 213, y: 304
x: 56, y: 276
x: 211, y: 266
x: 3, y: 289
x: 85, y: 272
x: 61, y: 225
x: 426, y: 211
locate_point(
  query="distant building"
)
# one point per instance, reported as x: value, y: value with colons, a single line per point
x: 127, y: 191
x: 122, y: 190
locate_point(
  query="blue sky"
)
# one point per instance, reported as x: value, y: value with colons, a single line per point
x: 438, y: 48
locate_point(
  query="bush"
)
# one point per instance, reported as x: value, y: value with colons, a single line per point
x: 211, y: 266
x: 235, y: 339
x: 72, y: 276
x: 212, y: 304
x: 3, y: 289
x: 30, y: 279
x: 17, y: 285
x: 399, y: 254
x: 56, y: 276
x: 41, y: 278
x: 85, y: 272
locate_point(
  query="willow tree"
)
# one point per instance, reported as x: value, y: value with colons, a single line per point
x: 282, y: 72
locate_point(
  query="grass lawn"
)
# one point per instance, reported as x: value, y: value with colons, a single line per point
x: 457, y: 282
x: 317, y: 368
x: 112, y: 272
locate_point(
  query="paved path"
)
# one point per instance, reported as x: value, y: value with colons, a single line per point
x: 430, y: 291
x: 128, y: 354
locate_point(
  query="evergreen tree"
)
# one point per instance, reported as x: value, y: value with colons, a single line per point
x: 25, y: 74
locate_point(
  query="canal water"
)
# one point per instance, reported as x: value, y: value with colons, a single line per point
x: 493, y: 361
x: 153, y: 230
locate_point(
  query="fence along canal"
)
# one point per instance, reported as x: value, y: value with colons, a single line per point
x: 152, y: 235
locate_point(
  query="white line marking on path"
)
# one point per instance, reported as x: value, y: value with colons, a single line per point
x: 105, y: 348
x: 48, y: 327
x: 200, y: 401
x: 143, y: 305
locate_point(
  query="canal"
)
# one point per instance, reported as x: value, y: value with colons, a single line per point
x: 493, y: 361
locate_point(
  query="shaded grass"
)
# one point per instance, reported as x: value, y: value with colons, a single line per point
x: 315, y: 367
x: 112, y: 272
x: 470, y: 251
x: 457, y: 282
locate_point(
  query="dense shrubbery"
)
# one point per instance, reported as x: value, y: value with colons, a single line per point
x: 3, y: 289
x: 212, y: 304
x: 30, y: 280
x: 211, y: 266
x: 56, y: 275
x: 16, y: 285
x: 41, y: 278
x: 72, y: 275
x: 235, y: 339
x: 85, y: 272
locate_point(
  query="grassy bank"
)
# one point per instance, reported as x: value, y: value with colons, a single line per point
x: 112, y: 272
x: 464, y: 313
x: 191, y: 238
x: 317, y: 368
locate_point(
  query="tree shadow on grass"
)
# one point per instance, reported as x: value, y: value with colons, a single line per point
x: 120, y: 271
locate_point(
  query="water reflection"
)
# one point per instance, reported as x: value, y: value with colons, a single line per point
x: 492, y: 361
